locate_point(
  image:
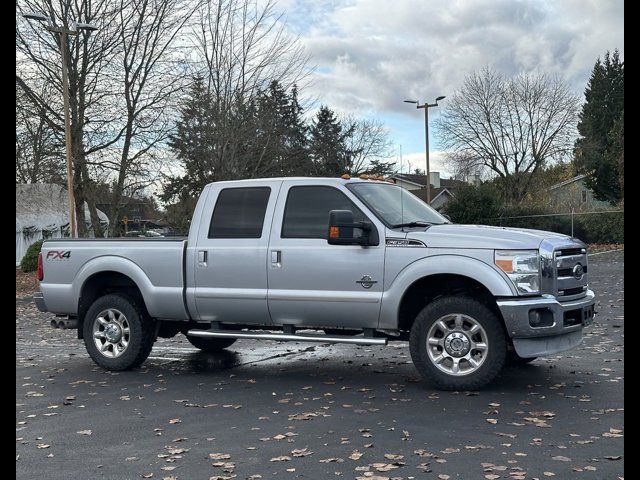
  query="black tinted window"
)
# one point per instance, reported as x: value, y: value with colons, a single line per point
x: 306, y: 214
x: 239, y: 213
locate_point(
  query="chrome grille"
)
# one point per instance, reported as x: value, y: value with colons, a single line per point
x: 558, y: 260
x: 569, y: 263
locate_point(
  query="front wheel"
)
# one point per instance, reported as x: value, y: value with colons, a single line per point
x: 458, y: 343
x: 514, y: 359
x: 117, y: 333
x: 211, y: 345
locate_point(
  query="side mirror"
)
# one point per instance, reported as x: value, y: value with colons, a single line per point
x: 446, y: 216
x: 343, y: 230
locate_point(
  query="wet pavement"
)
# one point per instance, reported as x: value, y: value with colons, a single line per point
x: 289, y: 410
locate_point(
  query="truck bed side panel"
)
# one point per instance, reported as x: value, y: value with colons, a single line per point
x: 154, y: 265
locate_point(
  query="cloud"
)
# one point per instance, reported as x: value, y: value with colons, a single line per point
x: 372, y: 54
x: 411, y: 161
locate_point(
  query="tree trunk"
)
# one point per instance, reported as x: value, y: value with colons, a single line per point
x: 116, y: 197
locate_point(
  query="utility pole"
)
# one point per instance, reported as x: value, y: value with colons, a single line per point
x: 64, y: 33
x: 426, y: 107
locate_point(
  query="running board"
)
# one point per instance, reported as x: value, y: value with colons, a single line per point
x: 281, y: 337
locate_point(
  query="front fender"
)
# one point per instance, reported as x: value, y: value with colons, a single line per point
x: 493, y: 280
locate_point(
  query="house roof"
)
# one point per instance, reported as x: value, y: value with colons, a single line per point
x: 44, y: 206
x: 435, y: 193
x: 567, y: 182
x: 421, y: 180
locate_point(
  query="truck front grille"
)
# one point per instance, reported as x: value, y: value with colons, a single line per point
x: 571, y: 277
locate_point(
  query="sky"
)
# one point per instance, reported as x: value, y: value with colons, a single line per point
x: 370, y: 55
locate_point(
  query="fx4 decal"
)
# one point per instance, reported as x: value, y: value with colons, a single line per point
x: 58, y: 254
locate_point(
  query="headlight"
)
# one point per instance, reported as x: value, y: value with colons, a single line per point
x: 522, y: 267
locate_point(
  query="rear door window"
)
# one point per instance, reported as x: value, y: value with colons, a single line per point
x: 239, y: 213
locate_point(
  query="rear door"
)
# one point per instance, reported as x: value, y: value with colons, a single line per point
x: 312, y: 283
x: 230, y: 261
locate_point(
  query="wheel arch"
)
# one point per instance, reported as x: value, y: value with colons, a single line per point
x: 437, y: 275
x: 426, y: 289
x: 106, y: 282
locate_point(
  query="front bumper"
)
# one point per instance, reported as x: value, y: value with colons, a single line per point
x: 38, y: 298
x: 565, y: 331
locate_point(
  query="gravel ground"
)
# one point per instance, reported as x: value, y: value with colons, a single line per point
x: 270, y: 410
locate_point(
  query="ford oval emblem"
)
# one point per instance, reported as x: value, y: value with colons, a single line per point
x: 578, y: 271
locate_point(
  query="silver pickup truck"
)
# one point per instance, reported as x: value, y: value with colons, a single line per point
x: 357, y: 260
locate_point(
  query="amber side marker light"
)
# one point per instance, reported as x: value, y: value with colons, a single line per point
x: 346, y: 176
x: 505, y: 265
x: 334, y: 232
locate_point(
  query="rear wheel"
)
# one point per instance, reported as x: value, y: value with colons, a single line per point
x: 458, y: 343
x: 117, y: 333
x: 211, y: 345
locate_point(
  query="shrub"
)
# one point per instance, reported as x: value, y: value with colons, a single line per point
x: 29, y: 262
x: 483, y: 205
x: 474, y: 204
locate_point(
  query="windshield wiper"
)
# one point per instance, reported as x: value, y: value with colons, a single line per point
x: 412, y: 224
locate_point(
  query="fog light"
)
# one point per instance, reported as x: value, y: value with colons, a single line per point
x: 541, y: 317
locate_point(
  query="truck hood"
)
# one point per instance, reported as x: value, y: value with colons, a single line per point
x: 482, y: 236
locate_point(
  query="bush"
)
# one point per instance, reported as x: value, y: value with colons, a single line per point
x: 482, y: 205
x: 474, y: 204
x: 29, y: 262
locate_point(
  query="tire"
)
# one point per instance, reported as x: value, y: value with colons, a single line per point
x: 514, y: 359
x: 137, y: 329
x: 211, y: 345
x: 439, y: 369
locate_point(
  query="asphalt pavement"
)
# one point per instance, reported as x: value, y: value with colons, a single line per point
x: 268, y: 410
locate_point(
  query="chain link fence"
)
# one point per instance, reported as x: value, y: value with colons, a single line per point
x: 597, y: 226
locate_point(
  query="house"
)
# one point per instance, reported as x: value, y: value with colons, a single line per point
x: 573, y: 194
x: 442, y: 189
x: 42, y: 211
x: 139, y: 214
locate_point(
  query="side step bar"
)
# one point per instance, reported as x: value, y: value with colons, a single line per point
x: 282, y: 337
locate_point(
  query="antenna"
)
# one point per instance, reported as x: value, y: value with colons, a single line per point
x: 401, y: 192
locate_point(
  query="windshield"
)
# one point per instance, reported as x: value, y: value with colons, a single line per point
x: 394, y: 205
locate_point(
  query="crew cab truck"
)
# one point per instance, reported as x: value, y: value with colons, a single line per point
x: 357, y: 260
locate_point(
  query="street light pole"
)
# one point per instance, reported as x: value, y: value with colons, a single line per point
x: 426, y: 107
x: 64, y: 33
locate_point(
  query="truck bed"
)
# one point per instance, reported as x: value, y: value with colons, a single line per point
x: 156, y: 265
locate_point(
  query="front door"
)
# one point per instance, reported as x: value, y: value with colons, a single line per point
x: 312, y: 283
x: 230, y: 261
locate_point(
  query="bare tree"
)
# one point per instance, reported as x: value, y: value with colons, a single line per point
x: 239, y: 48
x: 38, y: 63
x: 368, y: 145
x: 151, y: 75
x: 38, y: 148
x: 124, y: 86
x: 509, y: 126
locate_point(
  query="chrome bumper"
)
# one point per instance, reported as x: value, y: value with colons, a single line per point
x: 38, y: 298
x: 564, y: 333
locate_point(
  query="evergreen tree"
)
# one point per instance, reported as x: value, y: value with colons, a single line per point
x: 603, y: 108
x: 327, y: 144
x: 281, y: 133
x: 193, y: 144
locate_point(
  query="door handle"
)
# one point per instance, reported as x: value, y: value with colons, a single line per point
x: 202, y: 258
x: 276, y: 258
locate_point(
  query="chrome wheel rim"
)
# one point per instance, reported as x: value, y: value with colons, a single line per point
x: 111, y: 333
x: 457, y: 344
